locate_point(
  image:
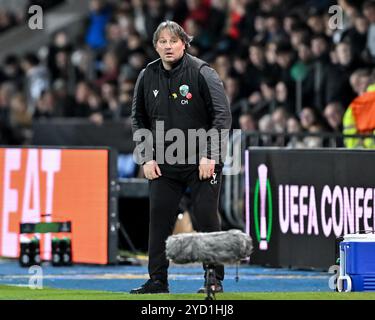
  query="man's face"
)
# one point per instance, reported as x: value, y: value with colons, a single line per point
x: 318, y: 47
x: 284, y: 60
x: 293, y: 126
x: 169, y: 47
x: 361, y: 24
x: 369, y: 13
x: 344, y: 54
x: 247, y: 123
x: 333, y: 116
x: 256, y: 55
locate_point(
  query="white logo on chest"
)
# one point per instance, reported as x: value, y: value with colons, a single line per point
x: 214, y: 181
x: 155, y: 92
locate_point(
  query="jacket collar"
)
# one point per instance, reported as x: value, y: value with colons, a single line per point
x: 177, y: 67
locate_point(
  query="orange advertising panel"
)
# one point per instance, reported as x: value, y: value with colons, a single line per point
x: 53, y: 185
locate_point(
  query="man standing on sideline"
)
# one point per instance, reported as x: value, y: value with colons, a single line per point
x: 181, y: 92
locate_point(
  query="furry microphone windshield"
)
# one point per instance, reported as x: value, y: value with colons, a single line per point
x: 209, y: 247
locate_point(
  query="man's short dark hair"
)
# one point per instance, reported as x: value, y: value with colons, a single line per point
x: 247, y: 113
x: 320, y: 36
x: 257, y: 44
x: 284, y: 48
x: 31, y: 58
x: 173, y: 28
x: 269, y: 80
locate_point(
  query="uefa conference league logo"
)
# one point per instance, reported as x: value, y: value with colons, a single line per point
x: 263, y: 221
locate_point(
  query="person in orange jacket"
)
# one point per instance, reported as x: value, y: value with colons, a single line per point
x: 360, y: 118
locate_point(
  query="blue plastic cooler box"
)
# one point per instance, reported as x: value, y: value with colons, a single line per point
x: 358, y: 252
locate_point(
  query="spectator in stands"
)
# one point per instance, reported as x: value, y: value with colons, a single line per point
x: 274, y: 29
x: 357, y: 36
x: 65, y: 104
x: 279, y: 120
x: 83, y: 64
x: 283, y: 97
x: 308, y: 118
x: 58, y: 58
x: 264, y: 101
x: 153, y: 15
x: 116, y: 41
x: 20, y: 118
x: 359, y: 117
x: 270, y: 54
x: 96, y: 108
x: 333, y: 114
x: 349, y: 12
x: 260, y: 27
x: 232, y: 89
x: 232, y: 29
x: 63, y: 68
x: 334, y: 60
x: 285, y: 59
x: 290, y: 22
x: 239, y: 72
x: 315, y: 22
x: 256, y: 69
x: 320, y: 48
x: 111, y: 105
x: 12, y: 71
x: 37, y: 79
x: 369, y: 12
x: 293, y: 126
x: 314, y: 141
x: 109, y: 70
x: 127, y: 24
x: 305, y: 66
x: 45, y: 106
x: 7, y: 20
x: 6, y: 91
x: 200, y: 40
x: 338, y: 86
x: 247, y: 122
x: 135, y: 43
x: 359, y: 80
x: 321, y: 65
x: 265, y: 125
x: 126, y: 88
x: 136, y: 62
x: 222, y: 66
x: 299, y: 34
x: 216, y: 20
x: 81, y: 106
x: 176, y: 10
x: 99, y: 17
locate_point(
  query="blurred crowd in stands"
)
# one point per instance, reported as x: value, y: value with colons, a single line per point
x: 287, y: 65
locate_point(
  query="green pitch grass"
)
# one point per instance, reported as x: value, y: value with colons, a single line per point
x: 24, y: 293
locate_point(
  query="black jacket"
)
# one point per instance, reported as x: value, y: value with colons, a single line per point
x: 190, y: 96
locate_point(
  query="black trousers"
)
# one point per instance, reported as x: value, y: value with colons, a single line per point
x: 165, y: 195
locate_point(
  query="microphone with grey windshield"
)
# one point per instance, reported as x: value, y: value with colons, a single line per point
x: 210, y: 248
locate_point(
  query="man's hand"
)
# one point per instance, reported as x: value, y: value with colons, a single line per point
x: 206, y: 168
x: 151, y: 170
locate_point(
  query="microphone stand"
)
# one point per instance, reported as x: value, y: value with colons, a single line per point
x: 210, y: 277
